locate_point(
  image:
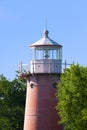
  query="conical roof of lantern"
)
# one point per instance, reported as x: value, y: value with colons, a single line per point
x: 45, y: 41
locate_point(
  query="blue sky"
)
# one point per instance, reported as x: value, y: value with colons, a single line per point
x: 22, y: 23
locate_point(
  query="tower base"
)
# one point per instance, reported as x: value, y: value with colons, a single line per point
x: 40, y: 111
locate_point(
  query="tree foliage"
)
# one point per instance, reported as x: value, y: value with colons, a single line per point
x: 72, y: 96
x: 12, y: 102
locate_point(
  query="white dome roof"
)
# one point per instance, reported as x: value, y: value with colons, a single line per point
x: 45, y: 41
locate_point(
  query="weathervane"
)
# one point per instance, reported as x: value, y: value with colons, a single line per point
x: 46, y: 23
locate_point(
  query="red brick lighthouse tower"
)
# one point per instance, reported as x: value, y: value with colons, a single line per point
x: 45, y: 70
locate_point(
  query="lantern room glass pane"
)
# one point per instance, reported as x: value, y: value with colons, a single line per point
x: 39, y: 54
x: 51, y: 54
x: 56, y: 54
x: 60, y: 54
x: 46, y: 54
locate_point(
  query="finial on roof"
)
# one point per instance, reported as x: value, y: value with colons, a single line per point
x: 46, y: 32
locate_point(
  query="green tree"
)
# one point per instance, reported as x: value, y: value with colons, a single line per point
x: 12, y: 103
x: 72, y: 96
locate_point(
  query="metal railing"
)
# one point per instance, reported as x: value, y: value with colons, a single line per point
x: 23, y: 68
x: 26, y: 68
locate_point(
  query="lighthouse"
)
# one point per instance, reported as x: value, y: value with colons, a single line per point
x: 42, y: 77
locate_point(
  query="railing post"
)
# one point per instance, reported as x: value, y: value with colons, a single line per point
x: 33, y: 67
x: 20, y: 67
x: 65, y: 64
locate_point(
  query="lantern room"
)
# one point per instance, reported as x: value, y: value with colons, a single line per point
x: 46, y: 56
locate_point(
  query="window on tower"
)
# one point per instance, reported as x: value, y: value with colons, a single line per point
x: 32, y: 85
x: 54, y: 85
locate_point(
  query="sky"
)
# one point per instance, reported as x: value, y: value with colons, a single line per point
x: 22, y: 23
